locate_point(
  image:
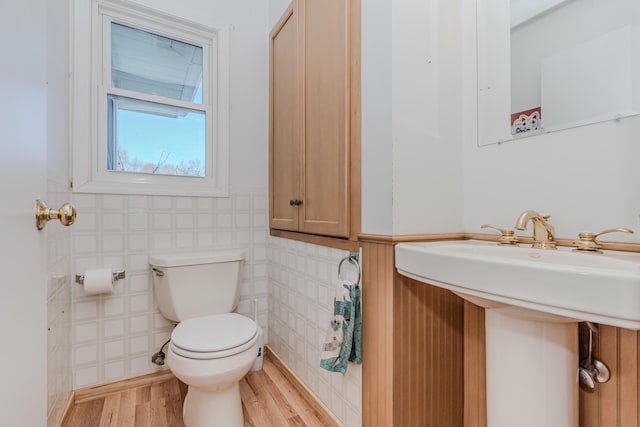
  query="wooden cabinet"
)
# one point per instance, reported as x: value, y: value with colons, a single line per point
x: 284, y: 119
x: 312, y: 145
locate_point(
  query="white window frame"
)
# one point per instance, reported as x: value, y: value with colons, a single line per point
x: 91, y: 84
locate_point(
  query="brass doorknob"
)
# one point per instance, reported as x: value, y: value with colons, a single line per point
x: 66, y: 214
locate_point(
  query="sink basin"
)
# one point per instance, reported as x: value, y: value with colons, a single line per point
x: 533, y: 299
x: 602, y: 288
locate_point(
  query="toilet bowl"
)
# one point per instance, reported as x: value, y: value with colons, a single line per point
x: 211, y: 354
x: 211, y: 348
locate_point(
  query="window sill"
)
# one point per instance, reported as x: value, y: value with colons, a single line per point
x: 150, y: 189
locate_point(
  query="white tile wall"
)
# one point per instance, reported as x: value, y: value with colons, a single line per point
x: 115, y: 335
x: 58, y: 307
x: 302, y: 279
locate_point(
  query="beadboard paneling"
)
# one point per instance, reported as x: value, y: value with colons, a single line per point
x: 614, y: 403
x: 475, y: 388
x: 428, y: 386
x: 412, y: 339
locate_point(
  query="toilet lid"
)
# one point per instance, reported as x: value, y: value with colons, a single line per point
x: 214, y: 333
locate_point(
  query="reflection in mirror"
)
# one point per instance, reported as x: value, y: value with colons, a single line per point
x: 547, y: 65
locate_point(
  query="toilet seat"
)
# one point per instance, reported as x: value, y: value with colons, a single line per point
x: 214, y: 336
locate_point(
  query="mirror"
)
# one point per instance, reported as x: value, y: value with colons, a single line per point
x: 547, y: 65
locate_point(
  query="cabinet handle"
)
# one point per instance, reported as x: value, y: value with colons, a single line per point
x: 295, y: 202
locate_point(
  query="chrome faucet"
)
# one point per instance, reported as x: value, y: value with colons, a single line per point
x: 543, y: 232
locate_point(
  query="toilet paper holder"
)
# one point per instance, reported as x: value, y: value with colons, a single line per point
x: 117, y: 275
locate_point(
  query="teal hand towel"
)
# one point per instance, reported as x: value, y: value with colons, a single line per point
x: 343, y: 342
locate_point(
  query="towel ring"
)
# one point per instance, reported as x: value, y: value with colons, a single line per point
x: 353, y: 259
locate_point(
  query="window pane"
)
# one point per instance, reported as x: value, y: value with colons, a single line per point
x: 149, y: 63
x: 147, y: 137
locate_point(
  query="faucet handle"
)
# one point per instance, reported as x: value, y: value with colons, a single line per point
x: 588, y: 241
x: 507, y: 235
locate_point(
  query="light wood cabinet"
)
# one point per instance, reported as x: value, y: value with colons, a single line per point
x: 284, y: 119
x: 311, y: 155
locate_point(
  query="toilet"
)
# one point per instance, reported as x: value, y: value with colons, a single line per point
x: 211, y: 348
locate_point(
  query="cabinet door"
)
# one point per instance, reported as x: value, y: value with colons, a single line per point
x: 284, y: 138
x: 325, y: 124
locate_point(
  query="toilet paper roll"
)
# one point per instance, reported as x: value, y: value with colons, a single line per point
x: 99, y: 281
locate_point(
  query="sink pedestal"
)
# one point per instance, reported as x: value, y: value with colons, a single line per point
x: 534, y: 300
x: 532, y: 369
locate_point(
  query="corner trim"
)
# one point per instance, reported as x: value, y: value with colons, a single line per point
x: 66, y: 411
x: 402, y: 238
x: 101, y: 390
x: 399, y: 238
x: 332, y: 242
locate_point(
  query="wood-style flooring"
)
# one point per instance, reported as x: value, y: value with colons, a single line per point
x: 270, y: 398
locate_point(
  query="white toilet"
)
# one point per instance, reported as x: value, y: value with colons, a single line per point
x: 211, y: 348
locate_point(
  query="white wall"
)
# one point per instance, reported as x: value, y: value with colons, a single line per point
x: 586, y: 178
x: 411, y: 101
x: 377, y: 141
x: 303, y: 279
x: 249, y: 77
x: 426, y: 105
x: 276, y: 7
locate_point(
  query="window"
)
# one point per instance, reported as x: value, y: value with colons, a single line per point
x: 158, y: 121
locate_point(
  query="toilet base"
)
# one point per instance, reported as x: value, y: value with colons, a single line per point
x: 213, y: 409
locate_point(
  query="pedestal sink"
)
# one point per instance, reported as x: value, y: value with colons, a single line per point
x: 533, y: 300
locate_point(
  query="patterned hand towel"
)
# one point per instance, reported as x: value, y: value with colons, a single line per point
x: 343, y: 342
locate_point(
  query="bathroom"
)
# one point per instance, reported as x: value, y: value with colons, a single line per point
x: 423, y: 173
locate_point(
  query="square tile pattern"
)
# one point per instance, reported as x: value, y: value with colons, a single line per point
x: 290, y: 283
x: 302, y: 279
x: 114, y: 335
x: 59, y: 374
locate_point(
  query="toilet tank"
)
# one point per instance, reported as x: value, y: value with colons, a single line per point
x: 196, y: 284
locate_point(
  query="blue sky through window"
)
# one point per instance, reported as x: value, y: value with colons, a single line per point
x: 150, y: 135
x: 147, y: 136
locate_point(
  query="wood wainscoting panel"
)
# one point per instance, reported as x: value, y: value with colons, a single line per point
x: 412, y: 347
x: 428, y: 383
x: 377, y: 334
x: 614, y: 403
x: 475, y: 383
x: 628, y: 374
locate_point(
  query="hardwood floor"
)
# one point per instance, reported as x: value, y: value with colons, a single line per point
x: 270, y: 398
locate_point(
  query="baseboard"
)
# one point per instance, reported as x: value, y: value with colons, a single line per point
x: 98, y: 391
x: 64, y: 415
x: 301, y: 387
